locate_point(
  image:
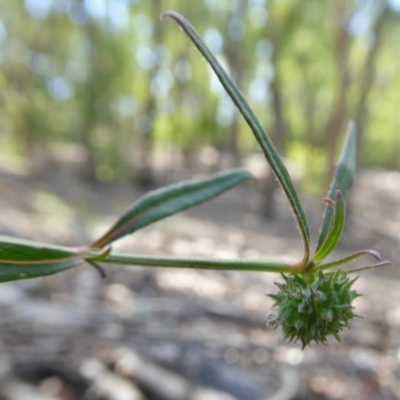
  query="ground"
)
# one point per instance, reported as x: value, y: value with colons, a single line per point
x: 183, y: 334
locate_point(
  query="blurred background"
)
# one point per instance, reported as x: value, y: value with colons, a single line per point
x: 101, y: 102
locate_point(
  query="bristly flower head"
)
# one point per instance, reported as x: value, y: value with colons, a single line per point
x: 312, y: 306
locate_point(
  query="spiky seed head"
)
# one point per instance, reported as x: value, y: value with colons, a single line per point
x: 311, y: 306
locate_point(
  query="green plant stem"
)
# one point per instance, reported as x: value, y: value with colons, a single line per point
x: 201, y: 263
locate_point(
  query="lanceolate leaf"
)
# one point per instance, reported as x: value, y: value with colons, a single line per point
x: 335, y: 233
x: 342, y: 179
x: 22, y: 259
x: 263, y: 139
x: 170, y: 200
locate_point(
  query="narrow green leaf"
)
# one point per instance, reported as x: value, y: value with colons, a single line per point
x: 23, y: 259
x: 170, y: 200
x: 385, y: 263
x: 353, y: 257
x: 335, y: 233
x: 263, y: 139
x: 342, y: 179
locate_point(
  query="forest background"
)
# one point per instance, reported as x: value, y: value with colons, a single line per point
x: 108, y: 89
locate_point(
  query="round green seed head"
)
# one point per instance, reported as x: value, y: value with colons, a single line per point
x: 310, y: 307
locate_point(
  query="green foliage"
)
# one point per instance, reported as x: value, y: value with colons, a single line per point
x: 330, y: 241
x: 342, y: 181
x: 167, y: 201
x: 22, y: 259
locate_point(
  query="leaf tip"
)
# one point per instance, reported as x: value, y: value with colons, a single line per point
x: 170, y: 14
x: 374, y: 254
x: 339, y: 196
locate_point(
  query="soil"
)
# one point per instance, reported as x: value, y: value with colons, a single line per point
x: 188, y: 334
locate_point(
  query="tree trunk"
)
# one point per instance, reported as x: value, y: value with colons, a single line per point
x: 236, y: 62
x: 369, y: 71
x: 278, y: 126
x: 146, y: 178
